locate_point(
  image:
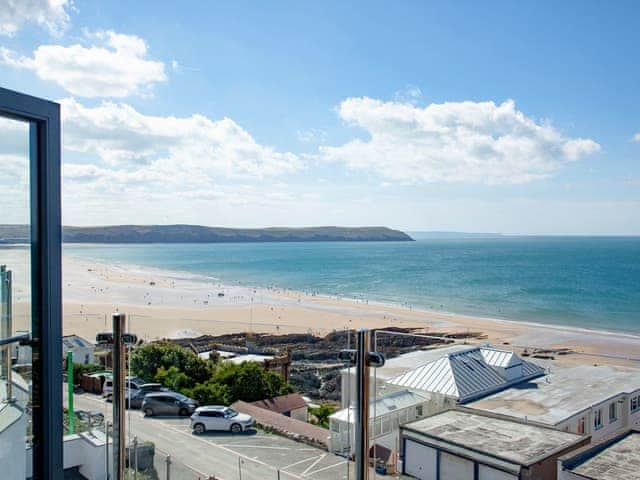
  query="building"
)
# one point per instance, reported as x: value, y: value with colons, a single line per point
x: 468, y: 374
x: 386, y: 413
x: 292, y: 405
x: 82, y: 349
x: 433, y: 380
x: 459, y: 372
x: 614, y: 458
x: 465, y: 445
x: 598, y: 401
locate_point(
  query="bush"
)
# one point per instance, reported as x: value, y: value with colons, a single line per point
x: 146, y: 362
x: 322, y: 414
x: 80, y: 369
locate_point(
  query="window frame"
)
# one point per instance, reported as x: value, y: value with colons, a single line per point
x: 43, y: 117
x: 597, y: 419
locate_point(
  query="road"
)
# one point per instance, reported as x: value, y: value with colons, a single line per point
x: 249, y: 456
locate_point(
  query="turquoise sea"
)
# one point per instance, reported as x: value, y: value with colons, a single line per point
x: 590, y: 282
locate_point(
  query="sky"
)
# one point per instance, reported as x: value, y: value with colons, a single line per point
x: 510, y: 117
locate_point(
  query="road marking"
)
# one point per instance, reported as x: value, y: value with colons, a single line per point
x: 229, y: 445
x: 329, y: 467
x: 313, y: 464
x: 298, y: 463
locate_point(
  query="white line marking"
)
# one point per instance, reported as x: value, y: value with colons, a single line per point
x: 298, y: 463
x: 327, y: 468
x: 230, y: 445
x: 314, y: 464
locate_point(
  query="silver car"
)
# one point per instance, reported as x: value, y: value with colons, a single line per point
x: 218, y: 417
x: 168, y: 403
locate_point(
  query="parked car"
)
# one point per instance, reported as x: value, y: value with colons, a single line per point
x: 168, y: 403
x: 132, y: 383
x: 218, y: 417
x: 133, y: 398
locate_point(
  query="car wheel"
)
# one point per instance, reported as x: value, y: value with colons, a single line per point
x: 148, y: 412
x: 183, y: 412
x: 236, y: 428
x: 199, y: 428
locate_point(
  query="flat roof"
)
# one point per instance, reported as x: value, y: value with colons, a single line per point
x: 562, y: 393
x: 620, y: 460
x: 509, y: 440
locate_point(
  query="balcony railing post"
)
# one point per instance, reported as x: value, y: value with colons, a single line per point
x: 118, y: 396
x: 168, y: 460
x: 363, y: 346
x: 6, y: 326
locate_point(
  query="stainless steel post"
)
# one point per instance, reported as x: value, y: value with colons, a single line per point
x: 118, y: 396
x: 363, y: 346
x: 168, y: 460
x: 135, y: 458
x: 106, y: 448
x: 6, y: 327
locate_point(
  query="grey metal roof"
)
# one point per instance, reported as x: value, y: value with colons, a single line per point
x: 467, y: 374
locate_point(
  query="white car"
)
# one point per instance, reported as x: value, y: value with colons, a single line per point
x: 218, y: 417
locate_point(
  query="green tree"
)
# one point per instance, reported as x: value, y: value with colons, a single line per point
x: 172, y: 378
x: 249, y: 381
x: 147, y: 360
x: 210, y: 393
x: 322, y: 414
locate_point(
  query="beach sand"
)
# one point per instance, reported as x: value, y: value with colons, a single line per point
x: 162, y: 304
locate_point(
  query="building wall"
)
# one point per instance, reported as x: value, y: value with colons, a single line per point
x: 301, y: 414
x: 624, y: 420
x: 486, y: 472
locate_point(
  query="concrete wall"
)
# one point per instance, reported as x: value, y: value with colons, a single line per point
x: 13, y: 458
x: 301, y: 414
x: 486, y: 472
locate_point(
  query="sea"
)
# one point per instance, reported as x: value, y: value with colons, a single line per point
x: 587, y: 282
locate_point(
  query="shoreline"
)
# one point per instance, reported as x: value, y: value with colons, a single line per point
x: 169, y: 302
x: 356, y: 302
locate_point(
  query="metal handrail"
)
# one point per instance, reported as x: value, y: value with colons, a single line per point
x: 21, y: 338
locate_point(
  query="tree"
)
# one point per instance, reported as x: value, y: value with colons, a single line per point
x: 146, y: 362
x: 322, y: 414
x: 210, y: 393
x: 250, y: 381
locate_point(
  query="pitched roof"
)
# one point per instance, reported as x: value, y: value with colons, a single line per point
x: 468, y: 374
x: 383, y: 405
x: 288, y: 426
x: 283, y: 403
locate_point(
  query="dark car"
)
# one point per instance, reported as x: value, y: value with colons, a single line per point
x: 168, y: 403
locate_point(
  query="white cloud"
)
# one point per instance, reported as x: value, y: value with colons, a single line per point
x: 128, y: 151
x: 473, y: 142
x: 115, y: 65
x: 311, y: 135
x: 52, y: 15
x: 636, y: 137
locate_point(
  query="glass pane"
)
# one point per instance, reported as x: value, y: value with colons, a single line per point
x: 15, y: 299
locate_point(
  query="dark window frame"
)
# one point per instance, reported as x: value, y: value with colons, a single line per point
x: 46, y: 328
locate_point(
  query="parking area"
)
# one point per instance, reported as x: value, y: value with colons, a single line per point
x: 254, y: 455
x: 263, y: 449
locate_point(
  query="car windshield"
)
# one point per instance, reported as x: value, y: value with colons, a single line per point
x: 230, y: 413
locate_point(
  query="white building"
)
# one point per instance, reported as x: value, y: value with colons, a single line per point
x: 462, y: 445
x: 385, y: 415
x: 81, y: 349
x: 433, y: 380
x: 599, y: 401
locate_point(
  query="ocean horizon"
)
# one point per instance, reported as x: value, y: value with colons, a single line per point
x: 581, y: 282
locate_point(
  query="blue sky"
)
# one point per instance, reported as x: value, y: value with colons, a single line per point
x: 508, y: 117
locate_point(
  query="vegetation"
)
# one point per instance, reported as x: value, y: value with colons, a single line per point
x: 223, y: 383
x: 322, y: 414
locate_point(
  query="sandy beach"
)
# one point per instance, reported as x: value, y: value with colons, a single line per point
x: 169, y: 304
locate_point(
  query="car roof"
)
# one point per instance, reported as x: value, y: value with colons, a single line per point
x: 163, y: 394
x: 211, y: 408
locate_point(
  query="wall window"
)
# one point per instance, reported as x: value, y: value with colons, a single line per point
x: 612, y: 412
x: 597, y: 419
x: 634, y: 403
x: 418, y: 411
x: 581, y: 425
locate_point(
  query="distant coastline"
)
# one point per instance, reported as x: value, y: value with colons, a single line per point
x: 202, y: 234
